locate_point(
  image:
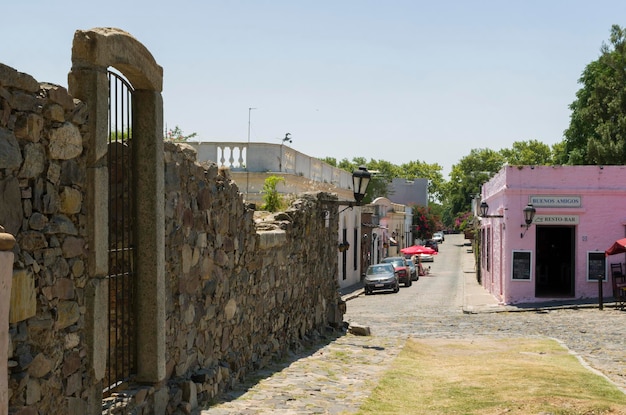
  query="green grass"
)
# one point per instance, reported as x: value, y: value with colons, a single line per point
x: 491, y: 377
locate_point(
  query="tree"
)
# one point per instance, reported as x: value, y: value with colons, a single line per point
x: 176, y: 135
x: 597, y: 130
x: 425, y: 222
x: 466, y: 179
x: 531, y: 152
x: 273, y: 200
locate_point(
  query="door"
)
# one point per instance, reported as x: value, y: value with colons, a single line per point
x: 554, y: 266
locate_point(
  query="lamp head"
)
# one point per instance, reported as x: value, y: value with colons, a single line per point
x: 484, y: 208
x: 529, y: 214
x: 360, y: 180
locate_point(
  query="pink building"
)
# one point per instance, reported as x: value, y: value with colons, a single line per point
x: 579, y: 212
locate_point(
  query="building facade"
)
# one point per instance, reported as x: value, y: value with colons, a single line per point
x: 409, y: 192
x: 579, y: 212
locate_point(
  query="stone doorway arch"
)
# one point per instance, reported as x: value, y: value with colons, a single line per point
x: 93, y: 52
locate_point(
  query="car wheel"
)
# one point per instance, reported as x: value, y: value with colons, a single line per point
x: 396, y: 288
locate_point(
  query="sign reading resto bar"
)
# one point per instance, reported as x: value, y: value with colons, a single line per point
x: 556, y: 219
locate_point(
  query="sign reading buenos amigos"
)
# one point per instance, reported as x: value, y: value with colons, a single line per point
x: 553, y: 201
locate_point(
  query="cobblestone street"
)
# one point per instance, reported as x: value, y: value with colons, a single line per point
x: 339, y: 375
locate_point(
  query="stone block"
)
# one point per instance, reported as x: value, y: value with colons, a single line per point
x: 71, y: 201
x: 68, y: 313
x: 40, y: 366
x: 66, y: 142
x: 29, y: 127
x: 23, y: 296
x: 34, y: 161
x: 359, y: 330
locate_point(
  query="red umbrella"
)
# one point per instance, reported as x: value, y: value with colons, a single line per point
x: 418, y: 249
x: 617, y: 248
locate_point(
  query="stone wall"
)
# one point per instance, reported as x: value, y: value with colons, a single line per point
x: 41, y: 185
x: 241, y: 289
x: 240, y: 293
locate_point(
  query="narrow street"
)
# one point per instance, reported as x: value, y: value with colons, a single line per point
x: 436, y: 295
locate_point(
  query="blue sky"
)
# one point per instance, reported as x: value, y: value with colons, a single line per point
x: 392, y: 80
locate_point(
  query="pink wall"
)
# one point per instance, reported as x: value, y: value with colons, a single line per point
x: 601, y: 218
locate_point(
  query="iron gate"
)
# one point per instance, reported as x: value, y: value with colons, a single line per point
x: 121, y: 340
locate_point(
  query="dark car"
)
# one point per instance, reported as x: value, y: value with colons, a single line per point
x: 381, y: 277
x: 402, y: 268
x: 432, y: 244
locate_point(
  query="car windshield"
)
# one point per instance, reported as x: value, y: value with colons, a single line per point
x: 395, y: 262
x: 378, y: 269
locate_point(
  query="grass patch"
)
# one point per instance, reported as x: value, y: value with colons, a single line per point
x: 491, y: 377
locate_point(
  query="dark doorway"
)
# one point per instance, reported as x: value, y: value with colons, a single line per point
x: 554, y: 267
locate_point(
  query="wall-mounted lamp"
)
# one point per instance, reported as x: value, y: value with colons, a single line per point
x: 484, y: 208
x: 360, y: 181
x: 529, y: 215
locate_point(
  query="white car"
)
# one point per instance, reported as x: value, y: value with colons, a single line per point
x: 438, y: 237
x: 427, y: 257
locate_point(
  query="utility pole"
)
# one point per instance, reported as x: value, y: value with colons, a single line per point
x: 248, y: 152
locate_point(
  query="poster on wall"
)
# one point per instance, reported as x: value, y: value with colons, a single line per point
x: 596, y: 266
x: 522, y: 261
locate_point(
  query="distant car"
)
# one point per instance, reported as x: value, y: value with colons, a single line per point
x: 381, y: 277
x: 431, y: 243
x: 439, y: 237
x: 427, y: 257
x: 402, y: 268
x: 413, y: 270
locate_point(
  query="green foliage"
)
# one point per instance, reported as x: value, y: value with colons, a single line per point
x: 176, y: 135
x: 466, y: 179
x: 597, y: 130
x: 271, y: 197
x: 383, y: 172
x: 528, y: 153
x: 123, y: 135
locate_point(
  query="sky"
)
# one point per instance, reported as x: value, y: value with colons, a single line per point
x: 393, y: 80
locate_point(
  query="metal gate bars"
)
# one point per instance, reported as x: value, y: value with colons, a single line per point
x: 121, y: 340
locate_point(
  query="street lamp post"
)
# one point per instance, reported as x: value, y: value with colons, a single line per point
x: 247, y: 152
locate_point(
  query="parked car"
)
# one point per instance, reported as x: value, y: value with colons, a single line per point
x: 402, y: 268
x: 413, y: 270
x: 381, y: 277
x: 427, y: 257
x: 431, y: 243
x: 439, y: 237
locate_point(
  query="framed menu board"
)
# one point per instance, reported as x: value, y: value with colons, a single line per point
x: 596, y: 266
x: 522, y: 262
